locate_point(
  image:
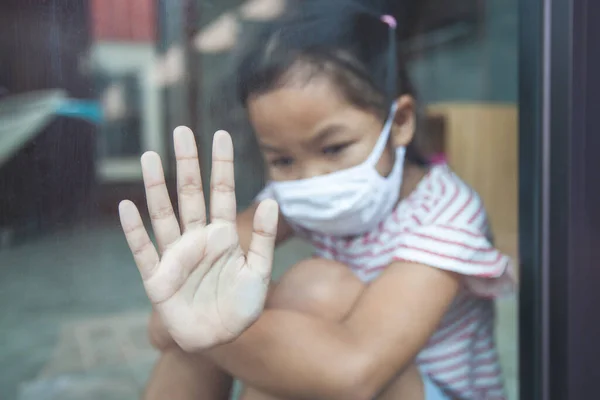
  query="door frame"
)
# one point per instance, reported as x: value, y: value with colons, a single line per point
x: 559, y: 296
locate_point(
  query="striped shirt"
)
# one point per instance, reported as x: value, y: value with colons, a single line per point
x: 442, y: 224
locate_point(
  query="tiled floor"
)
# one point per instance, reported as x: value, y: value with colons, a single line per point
x: 51, y: 289
x: 74, y: 315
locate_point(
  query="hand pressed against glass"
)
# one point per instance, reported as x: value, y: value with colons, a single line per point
x: 204, y: 287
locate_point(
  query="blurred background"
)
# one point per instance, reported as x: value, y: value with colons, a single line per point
x: 87, y: 86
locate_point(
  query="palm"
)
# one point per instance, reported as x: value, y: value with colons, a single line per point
x: 206, y: 290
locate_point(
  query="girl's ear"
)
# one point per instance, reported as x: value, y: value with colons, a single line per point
x: 403, y: 128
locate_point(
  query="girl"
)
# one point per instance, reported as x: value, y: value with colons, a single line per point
x: 397, y: 302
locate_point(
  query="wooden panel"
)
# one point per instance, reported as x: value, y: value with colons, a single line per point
x: 482, y: 148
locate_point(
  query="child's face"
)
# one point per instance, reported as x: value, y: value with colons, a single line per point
x: 309, y: 130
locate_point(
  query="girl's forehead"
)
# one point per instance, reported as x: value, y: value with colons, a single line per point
x: 300, y: 111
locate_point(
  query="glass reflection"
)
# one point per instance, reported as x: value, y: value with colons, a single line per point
x: 87, y: 86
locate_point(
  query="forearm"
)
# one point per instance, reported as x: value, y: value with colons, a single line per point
x: 295, y: 356
x: 179, y: 375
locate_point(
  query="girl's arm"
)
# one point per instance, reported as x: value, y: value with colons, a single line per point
x: 297, y: 356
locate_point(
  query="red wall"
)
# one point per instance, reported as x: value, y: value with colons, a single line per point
x: 124, y: 20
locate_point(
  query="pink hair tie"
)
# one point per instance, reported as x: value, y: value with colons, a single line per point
x: 388, y: 19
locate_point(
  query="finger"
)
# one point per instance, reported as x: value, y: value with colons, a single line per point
x: 164, y: 222
x: 262, y: 243
x: 222, y: 183
x: 192, y: 209
x: 144, y: 253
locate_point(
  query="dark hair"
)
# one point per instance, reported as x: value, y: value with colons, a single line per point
x: 344, y: 40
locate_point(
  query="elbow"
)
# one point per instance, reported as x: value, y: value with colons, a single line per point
x: 357, y: 382
x: 362, y: 389
x: 358, y: 390
x: 372, y: 380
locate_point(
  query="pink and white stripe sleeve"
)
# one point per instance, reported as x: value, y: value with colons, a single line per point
x: 487, y: 272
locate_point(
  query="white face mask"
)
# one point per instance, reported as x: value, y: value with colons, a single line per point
x: 347, y: 202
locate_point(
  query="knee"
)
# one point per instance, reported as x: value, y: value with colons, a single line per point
x: 319, y: 287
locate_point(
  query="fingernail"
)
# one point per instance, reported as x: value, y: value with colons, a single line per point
x: 151, y: 165
x: 125, y: 212
x: 123, y: 206
x: 221, y: 144
x: 185, y: 144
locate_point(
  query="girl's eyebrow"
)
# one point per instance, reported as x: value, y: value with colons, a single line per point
x: 268, y: 147
x: 327, y: 132
x: 320, y: 137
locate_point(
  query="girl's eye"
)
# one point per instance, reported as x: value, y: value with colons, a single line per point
x: 282, y: 162
x: 335, y: 149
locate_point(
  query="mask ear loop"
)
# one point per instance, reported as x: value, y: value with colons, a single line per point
x: 384, y: 137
